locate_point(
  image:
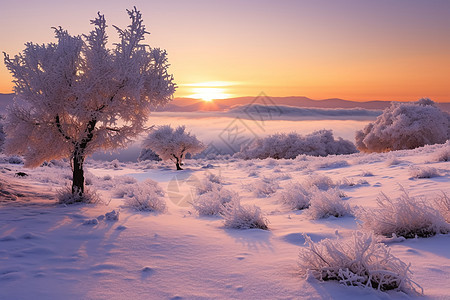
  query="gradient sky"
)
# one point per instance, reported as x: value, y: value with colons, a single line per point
x: 355, y: 50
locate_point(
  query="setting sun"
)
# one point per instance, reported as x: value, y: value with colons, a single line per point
x: 208, y: 91
x: 208, y: 94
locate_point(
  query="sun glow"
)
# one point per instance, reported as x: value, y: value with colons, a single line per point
x: 209, y: 91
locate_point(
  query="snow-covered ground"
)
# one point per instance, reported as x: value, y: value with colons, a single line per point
x: 47, y: 251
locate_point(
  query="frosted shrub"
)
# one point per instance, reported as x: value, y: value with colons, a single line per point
x: 295, y: 196
x: 264, y: 187
x: 327, y: 203
x: 289, y: 146
x: 65, y: 196
x: 405, y: 126
x: 214, y: 178
x: 443, y: 154
x: 405, y: 216
x: 322, y: 182
x: 332, y: 164
x: 238, y: 216
x: 145, y: 196
x: 356, y: 261
x: 442, y: 204
x: 345, y: 182
x: 213, y: 202
x: 206, y: 185
x: 366, y: 173
x: 391, y: 160
x: 423, y: 172
x: 122, y: 185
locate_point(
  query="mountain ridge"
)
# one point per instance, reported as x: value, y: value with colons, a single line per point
x: 183, y: 104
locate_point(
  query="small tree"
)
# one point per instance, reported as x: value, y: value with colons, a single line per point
x: 78, y: 96
x: 172, y: 144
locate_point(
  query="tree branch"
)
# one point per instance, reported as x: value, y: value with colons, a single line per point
x: 60, y: 129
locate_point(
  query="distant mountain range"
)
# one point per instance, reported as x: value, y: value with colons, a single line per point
x: 193, y: 105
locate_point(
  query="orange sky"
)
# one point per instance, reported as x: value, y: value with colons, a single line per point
x: 355, y: 50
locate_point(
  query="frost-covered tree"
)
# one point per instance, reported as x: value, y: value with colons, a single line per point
x: 405, y: 126
x: 148, y: 154
x: 76, y: 95
x: 172, y: 144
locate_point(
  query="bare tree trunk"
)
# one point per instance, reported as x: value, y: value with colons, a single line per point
x: 78, y: 174
x: 78, y: 159
x: 178, y: 164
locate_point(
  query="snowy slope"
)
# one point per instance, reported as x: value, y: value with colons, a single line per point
x: 46, y: 252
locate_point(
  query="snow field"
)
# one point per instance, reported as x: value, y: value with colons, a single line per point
x: 49, y: 250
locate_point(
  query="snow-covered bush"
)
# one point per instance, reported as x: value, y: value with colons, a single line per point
x: 443, y: 154
x: 214, y: 178
x: 324, y: 204
x: 65, y: 196
x: 405, y: 126
x: 392, y: 160
x: 295, y: 196
x: 172, y: 144
x: 280, y: 145
x: 264, y: 187
x: 423, y: 172
x: 331, y: 164
x: 214, y: 202
x: 322, y: 182
x: 345, y: 182
x: 120, y: 185
x: 239, y: 216
x: 442, y: 204
x: 405, y: 216
x: 356, y: 261
x: 366, y: 173
x: 205, y: 185
x: 144, y: 196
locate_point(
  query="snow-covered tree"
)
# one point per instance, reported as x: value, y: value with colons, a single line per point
x: 173, y: 144
x: 76, y: 95
x: 405, y: 126
x: 148, y: 154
